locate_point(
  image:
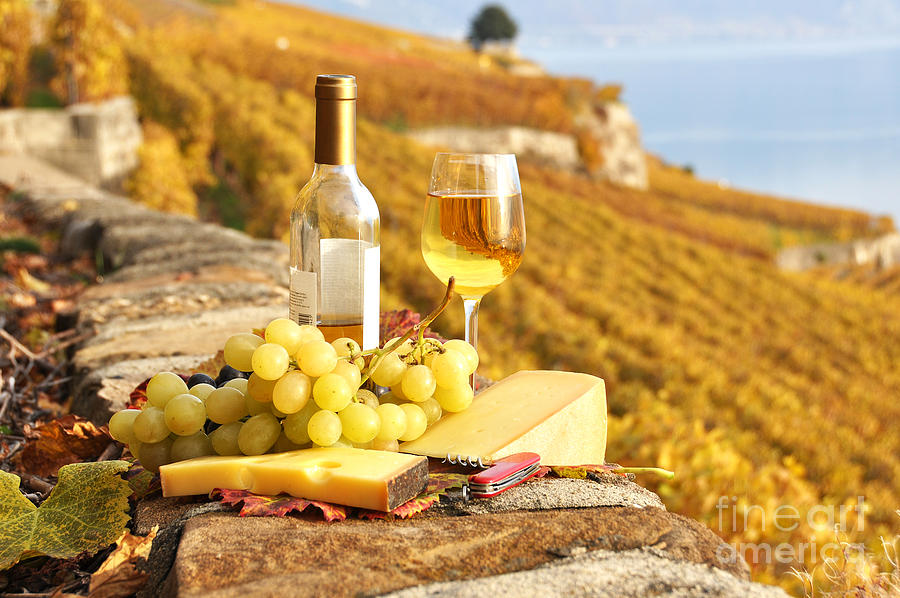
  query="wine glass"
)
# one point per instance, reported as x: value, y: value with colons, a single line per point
x: 474, y: 227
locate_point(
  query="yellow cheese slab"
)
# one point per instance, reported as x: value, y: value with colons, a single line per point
x: 378, y: 480
x: 559, y: 415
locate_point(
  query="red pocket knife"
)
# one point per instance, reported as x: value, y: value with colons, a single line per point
x: 500, y: 475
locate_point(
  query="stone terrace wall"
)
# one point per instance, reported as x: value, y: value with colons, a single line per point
x: 96, y: 142
x: 174, y: 289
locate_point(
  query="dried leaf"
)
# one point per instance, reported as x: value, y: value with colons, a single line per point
x: 256, y: 505
x: 211, y: 366
x: 138, y: 396
x: 87, y: 510
x: 119, y: 575
x: 69, y: 439
x: 581, y: 471
x: 25, y: 280
x: 440, y: 483
x: 142, y: 482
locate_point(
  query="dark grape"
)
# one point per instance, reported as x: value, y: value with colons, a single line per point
x: 228, y: 373
x: 196, y: 379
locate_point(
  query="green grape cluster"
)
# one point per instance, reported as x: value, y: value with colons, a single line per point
x: 300, y: 391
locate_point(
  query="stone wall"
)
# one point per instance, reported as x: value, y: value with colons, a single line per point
x: 96, y: 142
x: 553, y: 149
x: 882, y: 252
x: 610, y: 124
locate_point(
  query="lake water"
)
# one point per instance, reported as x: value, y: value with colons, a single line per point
x: 817, y: 121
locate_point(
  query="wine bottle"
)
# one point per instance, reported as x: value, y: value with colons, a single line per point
x: 335, y: 228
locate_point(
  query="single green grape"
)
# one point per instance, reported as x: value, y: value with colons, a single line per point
x: 450, y: 369
x: 389, y: 371
x: 386, y: 445
x: 150, y: 425
x: 225, y: 405
x: 286, y: 333
x: 225, y: 439
x: 309, y: 333
x: 391, y: 397
x: 359, y: 422
x: 163, y: 386
x: 121, y: 425
x: 258, y: 434
x: 348, y: 372
x: 254, y: 407
x: 156, y: 454
x: 316, y: 358
x: 403, y: 349
x: 367, y: 397
x: 291, y: 392
x: 418, y: 383
x: 393, y: 422
x: 238, y: 383
x: 416, y: 422
x: 332, y: 392
x: 324, y: 428
x: 185, y: 415
x: 189, y: 447
x: 259, y: 389
x: 347, y: 347
x: 342, y: 442
x: 239, y: 350
x: 202, y: 390
x: 467, y: 350
x: 270, y: 361
x: 432, y: 409
x: 295, y: 424
x: 454, y: 399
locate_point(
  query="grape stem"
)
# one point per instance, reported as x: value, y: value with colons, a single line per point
x: 669, y: 475
x: 380, y: 354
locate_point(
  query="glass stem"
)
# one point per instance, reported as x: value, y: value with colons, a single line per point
x: 471, y: 307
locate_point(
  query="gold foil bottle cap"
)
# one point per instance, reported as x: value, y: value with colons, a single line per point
x: 335, y: 87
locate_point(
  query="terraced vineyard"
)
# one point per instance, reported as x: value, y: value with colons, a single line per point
x: 776, y: 388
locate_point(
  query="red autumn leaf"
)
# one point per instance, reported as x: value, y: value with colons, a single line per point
x: 397, y: 322
x: 542, y: 471
x: 138, y: 396
x: 256, y: 505
x: 69, y: 439
x: 260, y: 332
x: 410, y: 508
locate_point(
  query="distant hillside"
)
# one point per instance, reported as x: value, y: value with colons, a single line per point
x: 778, y: 388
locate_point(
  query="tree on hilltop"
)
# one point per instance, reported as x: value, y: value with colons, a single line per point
x: 492, y: 24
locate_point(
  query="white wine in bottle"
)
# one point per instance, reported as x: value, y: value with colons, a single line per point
x: 335, y: 228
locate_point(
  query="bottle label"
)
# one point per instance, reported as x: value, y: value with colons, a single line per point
x: 303, y: 301
x: 371, y: 298
x: 350, y: 274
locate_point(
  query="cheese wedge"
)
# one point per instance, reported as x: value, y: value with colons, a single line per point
x: 378, y: 480
x: 559, y: 415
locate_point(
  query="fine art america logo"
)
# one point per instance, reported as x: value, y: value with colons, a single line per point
x: 787, y: 518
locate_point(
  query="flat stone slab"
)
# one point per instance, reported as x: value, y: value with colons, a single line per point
x: 561, y: 493
x: 224, y: 555
x: 635, y: 573
x: 161, y: 336
x: 103, y: 391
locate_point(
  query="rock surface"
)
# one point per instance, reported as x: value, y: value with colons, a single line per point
x: 635, y: 573
x: 170, y: 306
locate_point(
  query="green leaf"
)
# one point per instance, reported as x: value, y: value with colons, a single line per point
x: 86, y: 511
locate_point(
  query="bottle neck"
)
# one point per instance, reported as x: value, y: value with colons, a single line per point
x: 334, y: 170
x: 335, y: 132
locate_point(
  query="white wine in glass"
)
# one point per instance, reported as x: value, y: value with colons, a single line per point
x: 474, y: 228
